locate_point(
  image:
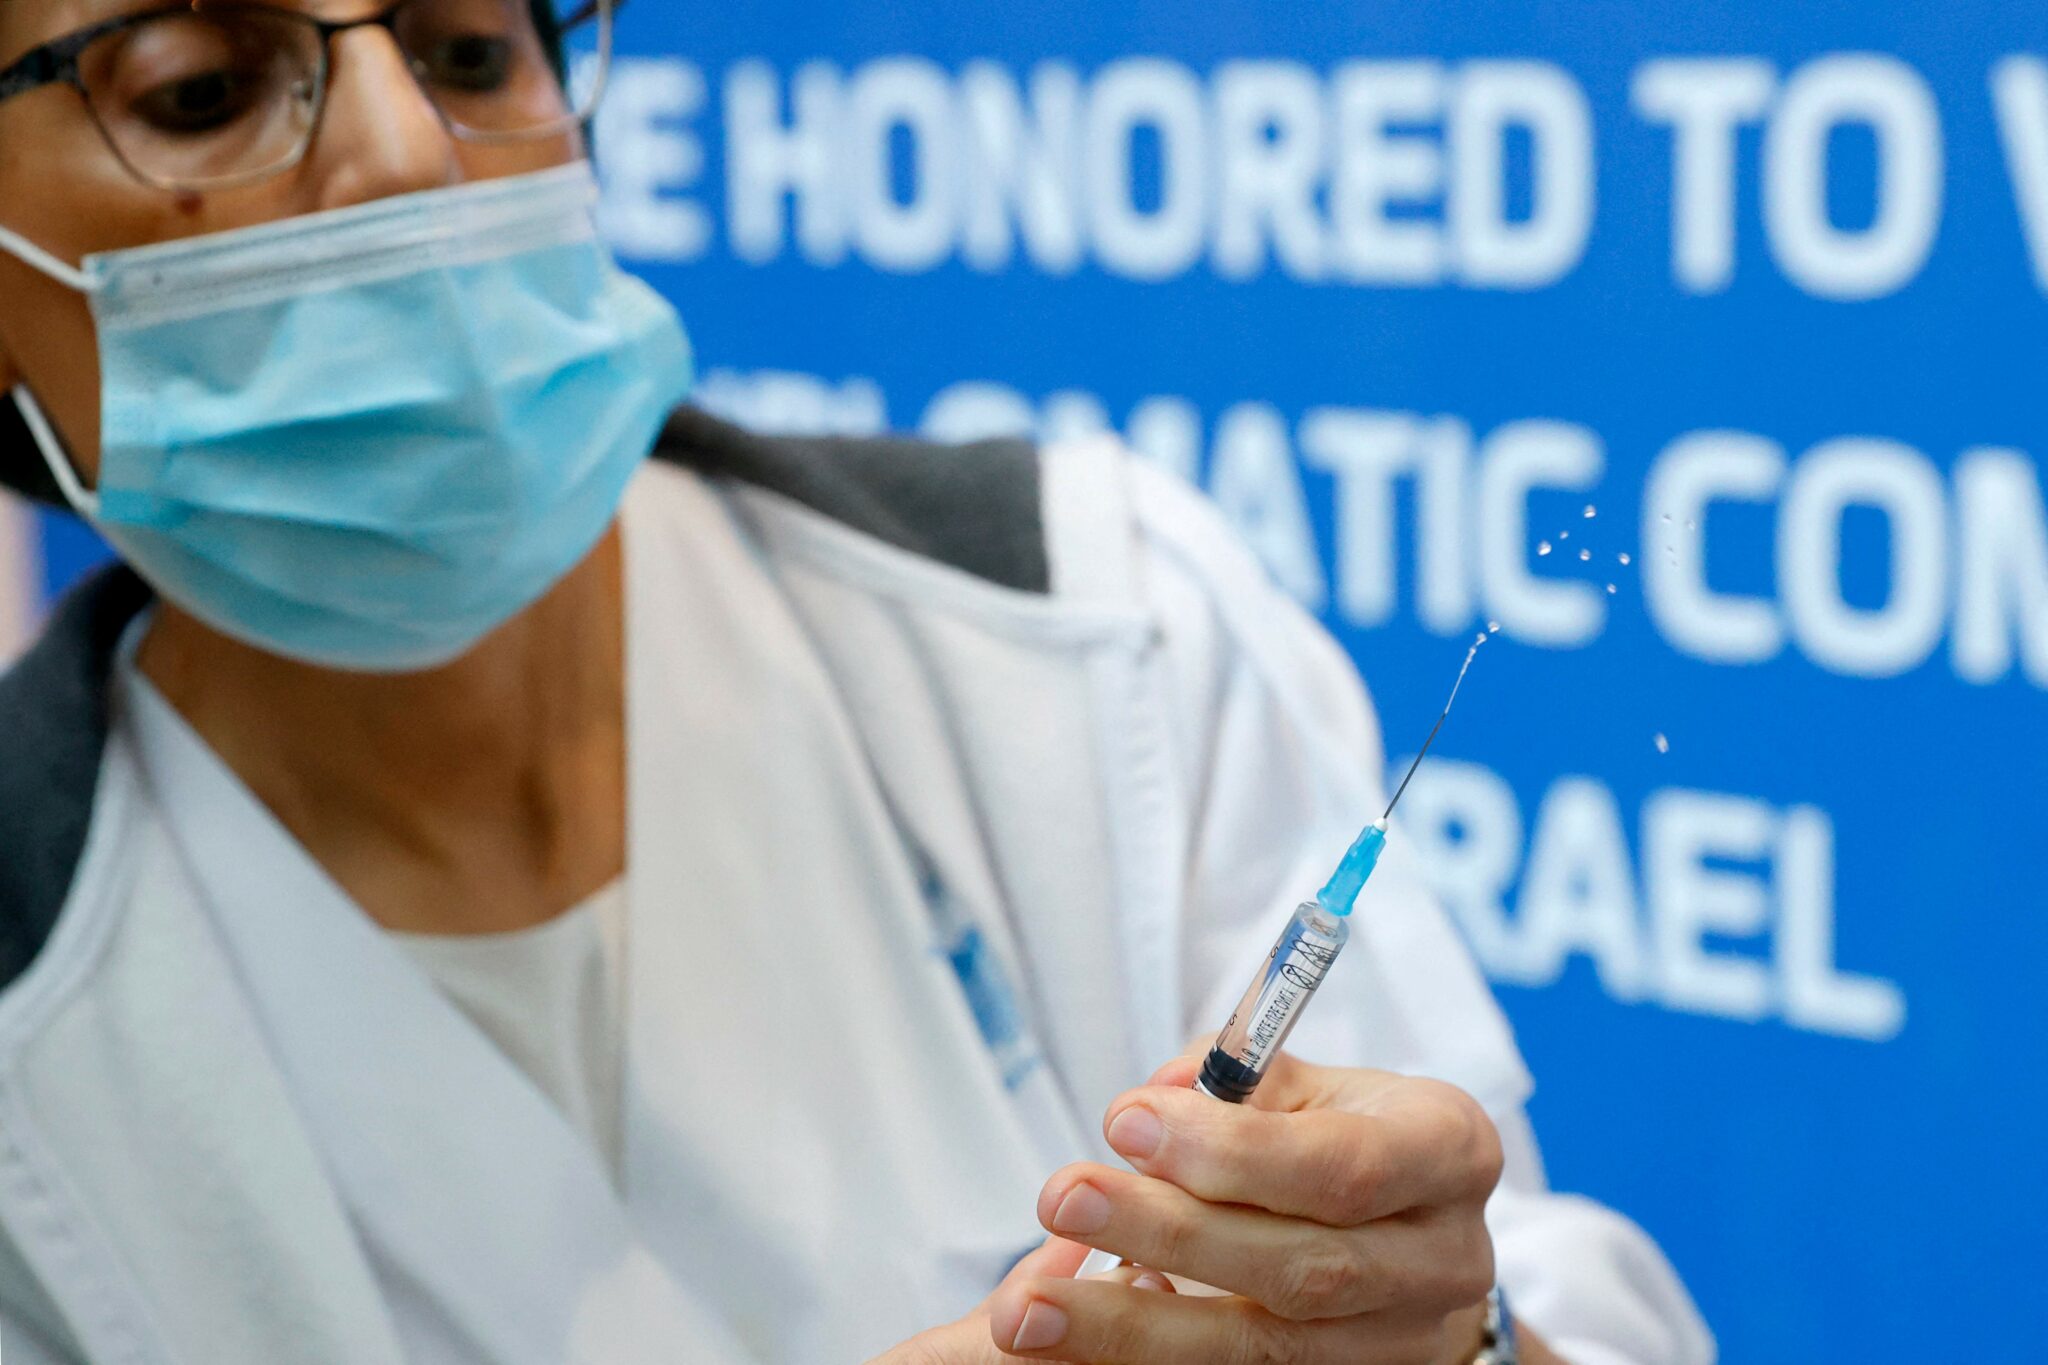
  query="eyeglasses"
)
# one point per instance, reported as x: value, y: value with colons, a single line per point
x: 207, y: 95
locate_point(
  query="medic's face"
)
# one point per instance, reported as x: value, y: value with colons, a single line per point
x: 63, y: 187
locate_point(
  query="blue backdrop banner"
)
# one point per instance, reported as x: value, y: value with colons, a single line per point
x: 1698, y: 350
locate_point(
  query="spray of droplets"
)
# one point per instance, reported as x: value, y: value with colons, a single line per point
x: 1544, y: 547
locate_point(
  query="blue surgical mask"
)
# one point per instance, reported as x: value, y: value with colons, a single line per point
x: 366, y: 438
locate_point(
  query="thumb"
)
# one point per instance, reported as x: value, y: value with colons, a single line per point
x: 966, y: 1342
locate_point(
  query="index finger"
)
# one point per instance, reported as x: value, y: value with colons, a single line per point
x: 1108, y: 1324
x: 1433, y: 1146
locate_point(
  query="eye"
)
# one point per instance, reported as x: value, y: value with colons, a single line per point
x: 198, y: 103
x: 184, y: 74
x: 468, y: 61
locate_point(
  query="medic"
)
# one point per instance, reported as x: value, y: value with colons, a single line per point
x: 508, y: 870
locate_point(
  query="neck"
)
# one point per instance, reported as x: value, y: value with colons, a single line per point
x: 485, y: 795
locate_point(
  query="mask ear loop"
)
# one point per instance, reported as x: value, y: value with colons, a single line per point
x: 82, y: 499
x: 36, y: 258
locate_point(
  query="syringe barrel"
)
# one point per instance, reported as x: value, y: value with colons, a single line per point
x: 1285, y: 983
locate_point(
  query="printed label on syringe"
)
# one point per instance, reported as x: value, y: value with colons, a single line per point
x: 1301, y: 973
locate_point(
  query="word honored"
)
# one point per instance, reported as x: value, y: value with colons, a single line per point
x: 1397, y: 173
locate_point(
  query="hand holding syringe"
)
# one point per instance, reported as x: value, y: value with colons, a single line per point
x: 1295, y: 968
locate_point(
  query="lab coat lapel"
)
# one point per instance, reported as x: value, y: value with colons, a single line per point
x: 892, y: 679
x: 159, y: 1176
x: 808, y: 1100
x: 1051, y: 711
x: 465, y: 1184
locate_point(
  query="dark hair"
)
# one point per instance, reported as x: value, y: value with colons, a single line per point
x: 21, y: 464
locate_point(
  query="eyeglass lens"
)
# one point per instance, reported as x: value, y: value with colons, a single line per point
x: 192, y: 98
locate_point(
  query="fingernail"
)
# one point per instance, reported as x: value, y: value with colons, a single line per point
x: 1043, y: 1326
x: 1084, y: 1210
x: 1151, y: 1279
x: 1136, y: 1132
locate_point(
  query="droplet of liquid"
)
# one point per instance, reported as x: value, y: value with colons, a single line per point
x: 1564, y: 535
x: 1542, y: 547
x: 1623, y: 556
x: 1610, y: 589
x: 1667, y: 518
x: 1692, y: 526
x: 1480, y: 640
x: 1663, y: 744
x: 1589, y: 512
x: 1493, y: 627
x: 1585, y: 555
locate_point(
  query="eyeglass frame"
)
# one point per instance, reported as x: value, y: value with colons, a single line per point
x: 57, y: 63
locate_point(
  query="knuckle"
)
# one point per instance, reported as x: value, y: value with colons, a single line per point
x: 1480, y: 1273
x: 1469, y: 1131
x: 1117, y: 1332
x: 1175, y: 1238
x: 1331, y: 1280
x: 1197, y: 1145
x: 1472, y: 1289
x: 1344, y: 1180
x: 1453, y: 1103
x: 1487, y: 1156
x: 1211, y: 1139
x: 1444, y: 1096
x: 1259, y: 1338
x: 1464, y: 1275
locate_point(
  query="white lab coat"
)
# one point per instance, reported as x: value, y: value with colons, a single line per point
x: 237, y: 1125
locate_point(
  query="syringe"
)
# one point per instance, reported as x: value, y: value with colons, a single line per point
x: 1295, y: 968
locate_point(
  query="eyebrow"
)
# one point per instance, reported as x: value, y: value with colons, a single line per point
x: 72, y: 15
